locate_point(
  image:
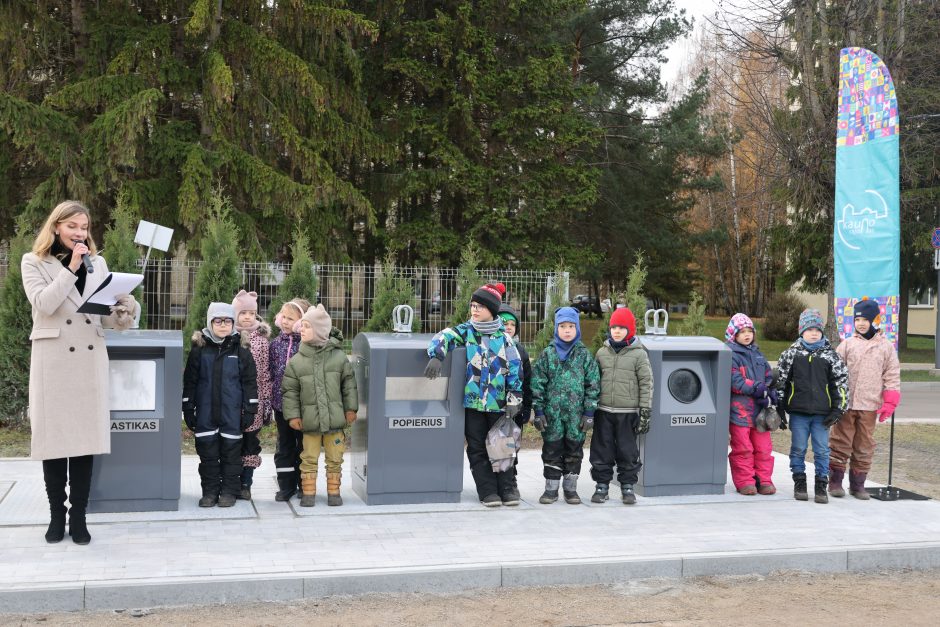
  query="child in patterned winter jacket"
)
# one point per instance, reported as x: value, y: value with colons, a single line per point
x: 812, y: 387
x: 566, y: 384
x: 751, y: 457
x: 289, y: 441
x: 493, y: 387
x: 875, y: 391
x: 254, y: 333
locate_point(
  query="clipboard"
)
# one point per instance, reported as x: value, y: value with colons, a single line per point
x: 115, y: 284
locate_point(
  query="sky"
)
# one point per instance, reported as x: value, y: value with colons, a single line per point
x: 679, y: 51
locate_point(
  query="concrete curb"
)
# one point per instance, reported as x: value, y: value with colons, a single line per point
x: 104, y: 595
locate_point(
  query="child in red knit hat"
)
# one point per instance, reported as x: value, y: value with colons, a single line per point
x: 624, y: 408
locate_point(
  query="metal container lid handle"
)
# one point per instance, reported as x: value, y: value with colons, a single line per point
x: 402, y: 318
x: 657, y: 315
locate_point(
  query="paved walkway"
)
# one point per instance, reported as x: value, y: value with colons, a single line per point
x: 265, y: 550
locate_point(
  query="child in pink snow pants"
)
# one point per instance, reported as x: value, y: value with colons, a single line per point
x: 751, y: 458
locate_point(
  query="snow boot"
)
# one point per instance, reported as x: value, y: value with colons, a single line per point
x: 286, y: 486
x: 208, y: 499
x: 799, y: 486
x: 333, y: 499
x: 766, y: 489
x: 551, y: 492
x: 491, y: 500
x: 570, y: 488
x: 627, y: 497
x: 226, y: 500
x: 747, y: 490
x: 600, y: 493
x: 822, y: 482
x: 308, y: 486
x: 857, y: 485
x: 835, y: 482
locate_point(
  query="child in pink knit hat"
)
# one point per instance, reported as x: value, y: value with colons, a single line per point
x: 255, y: 334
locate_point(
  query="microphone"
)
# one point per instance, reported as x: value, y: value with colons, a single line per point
x: 86, y: 260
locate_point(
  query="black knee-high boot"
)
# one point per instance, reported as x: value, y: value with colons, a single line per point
x: 79, y: 487
x: 54, y: 472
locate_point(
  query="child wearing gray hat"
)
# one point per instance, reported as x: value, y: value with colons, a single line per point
x: 220, y: 399
x: 812, y: 387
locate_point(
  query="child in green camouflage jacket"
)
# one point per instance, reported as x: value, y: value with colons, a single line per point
x: 565, y: 389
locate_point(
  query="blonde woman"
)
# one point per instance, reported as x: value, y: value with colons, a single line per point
x: 68, y: 375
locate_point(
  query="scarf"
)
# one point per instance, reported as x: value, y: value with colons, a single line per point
x: 619, y: 346
x: 870, y: 333
x: 815, y: 346
x: 64, y: 255
x: 487, y: 328
x: 251, y: 327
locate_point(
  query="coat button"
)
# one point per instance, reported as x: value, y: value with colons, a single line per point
x: 90, y: 347
x: 87, y: 321
x: 68, y: 321
x: 71, y: 349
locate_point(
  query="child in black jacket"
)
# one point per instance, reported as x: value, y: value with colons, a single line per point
x: 220, y: 399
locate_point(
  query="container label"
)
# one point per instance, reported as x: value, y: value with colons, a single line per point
x: 417, y: 422
x: 129, y: 425
x: 687, y: 420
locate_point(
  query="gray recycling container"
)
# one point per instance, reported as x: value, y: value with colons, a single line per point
x: 142, y: 473
x: 686, y: 449
x: 408, y: 441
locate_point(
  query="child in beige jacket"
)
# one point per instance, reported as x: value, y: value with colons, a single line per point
x: 874, y: 392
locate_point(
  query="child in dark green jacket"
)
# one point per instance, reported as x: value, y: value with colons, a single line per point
x: 565, y: 389
x: 320, y: 399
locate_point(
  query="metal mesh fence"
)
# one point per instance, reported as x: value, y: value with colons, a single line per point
x: 347, y: 292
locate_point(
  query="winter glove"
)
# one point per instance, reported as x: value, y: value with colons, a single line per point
x: 760, y: 390
x: 124, y: 310
x: 433, y: 369
x: 540, y: 422
x: 586, y: 424
x: 762, y: 402
x: 832, y: 418
x: 772, y: 395
x: 513, y: 410
x: 644, y: 425
x: 296, y: 424
x: 891, y: 399
x: 783, y: 418
x: 189, y: 417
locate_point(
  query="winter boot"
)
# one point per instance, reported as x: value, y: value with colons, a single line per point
x: 286, y: 486
x: 79, y: 488
x: 822, y: 482
x: 247, y: 479
x: 510, y: 495
x: 226, y: 500
x: 333, y: 498
x: 857, y: 485
x: 799, y: 486
x: 491, y: 500
x: 209, y: 499
x: 600, y: 493
x: 54, y: 472
x: 308, y: 489
x: 766, y: 489
x: 627, y: 496
x: 551, y: 492
x: 747, y: 490
x: 835, y: 482
x: 570, y: 488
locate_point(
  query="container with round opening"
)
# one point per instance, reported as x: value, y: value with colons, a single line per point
x: 684, y: 385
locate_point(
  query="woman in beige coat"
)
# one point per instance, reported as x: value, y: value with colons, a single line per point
x: 68, y: 375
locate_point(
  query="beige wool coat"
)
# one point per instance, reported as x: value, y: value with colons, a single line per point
x: 68, y: 375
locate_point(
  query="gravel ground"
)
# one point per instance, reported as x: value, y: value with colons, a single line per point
x: 887, y: 598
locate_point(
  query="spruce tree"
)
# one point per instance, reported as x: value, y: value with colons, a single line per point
x: 219, y: 274
x: 391, y: 290
x: 556, y: 298
x: 301, y: 281
x: 694, y: 323
x: 632, y: 297
x: 468, y: 280
x: 16, y: 323
x: 119, y: 249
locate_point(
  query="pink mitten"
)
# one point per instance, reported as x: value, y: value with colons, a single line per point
x: 890, y: 399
